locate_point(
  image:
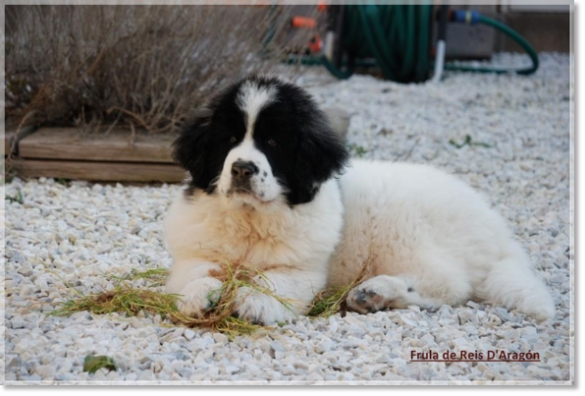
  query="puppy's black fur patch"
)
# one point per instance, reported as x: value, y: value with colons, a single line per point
x: 208, y: 137
x: 295, y: 136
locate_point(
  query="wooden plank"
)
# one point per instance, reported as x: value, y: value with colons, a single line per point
x: 99, y: 171
x: 118, y: 145
x: 10, y: 135
x: 544, y: 31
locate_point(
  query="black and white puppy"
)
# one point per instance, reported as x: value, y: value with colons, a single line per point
x: 269, y: 189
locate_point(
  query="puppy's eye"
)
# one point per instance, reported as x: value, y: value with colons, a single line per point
x: 272, y: 143
x: 232, y: 139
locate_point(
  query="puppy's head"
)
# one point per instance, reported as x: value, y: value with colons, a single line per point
x: 260, y: 141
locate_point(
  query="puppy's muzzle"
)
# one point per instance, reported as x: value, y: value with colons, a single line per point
x: 242, y: 172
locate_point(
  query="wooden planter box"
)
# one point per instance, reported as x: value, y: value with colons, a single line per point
x: 119, y: 155
x: 116, y: 156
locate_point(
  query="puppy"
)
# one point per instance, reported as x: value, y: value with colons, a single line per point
x: 270, y: 188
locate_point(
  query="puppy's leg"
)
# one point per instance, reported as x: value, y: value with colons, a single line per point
x: 383, y: 291
x: 198, y: 290
x: 296, y: 289
x: 511, y: 282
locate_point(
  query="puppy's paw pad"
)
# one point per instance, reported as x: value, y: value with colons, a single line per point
x: 198, y: 296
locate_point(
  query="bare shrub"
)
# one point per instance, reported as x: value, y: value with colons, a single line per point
x: 138, y: 66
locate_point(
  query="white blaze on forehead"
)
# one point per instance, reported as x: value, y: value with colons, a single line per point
x: 252, y: 99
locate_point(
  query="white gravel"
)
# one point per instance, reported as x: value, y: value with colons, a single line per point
x: 73, y: 235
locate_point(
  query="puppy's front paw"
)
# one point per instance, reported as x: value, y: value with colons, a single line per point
x: 198, y: 296
x: 259, y: 308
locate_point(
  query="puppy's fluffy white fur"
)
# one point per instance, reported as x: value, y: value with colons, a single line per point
x: 429, y: 238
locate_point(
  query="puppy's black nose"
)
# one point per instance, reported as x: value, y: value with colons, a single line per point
x: 242, y: 170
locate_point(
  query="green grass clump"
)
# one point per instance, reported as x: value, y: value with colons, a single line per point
x: 125, y: 298
x: 468, y: 142
x: 17, y: 198
x: 329, y: 302
x: 120, y: 299
x: 332, y: 300
x: 156, y: 276
x: 91, y: 364
x: 358, y: 150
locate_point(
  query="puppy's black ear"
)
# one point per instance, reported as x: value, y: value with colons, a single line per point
x: 321, y: 154
x: 189, y: 149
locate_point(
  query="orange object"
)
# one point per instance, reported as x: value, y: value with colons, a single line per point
x: 315, y: 45
x: 300, y: 22
x: 322, y: 6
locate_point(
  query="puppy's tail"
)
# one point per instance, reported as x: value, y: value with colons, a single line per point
x: 512, y: 282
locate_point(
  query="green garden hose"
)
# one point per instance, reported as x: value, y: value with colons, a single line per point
x: 398, y: 38
x: 510, y: 33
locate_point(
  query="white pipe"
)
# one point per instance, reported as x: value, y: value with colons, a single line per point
x: 329, y: 40
x: 439, y: 61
